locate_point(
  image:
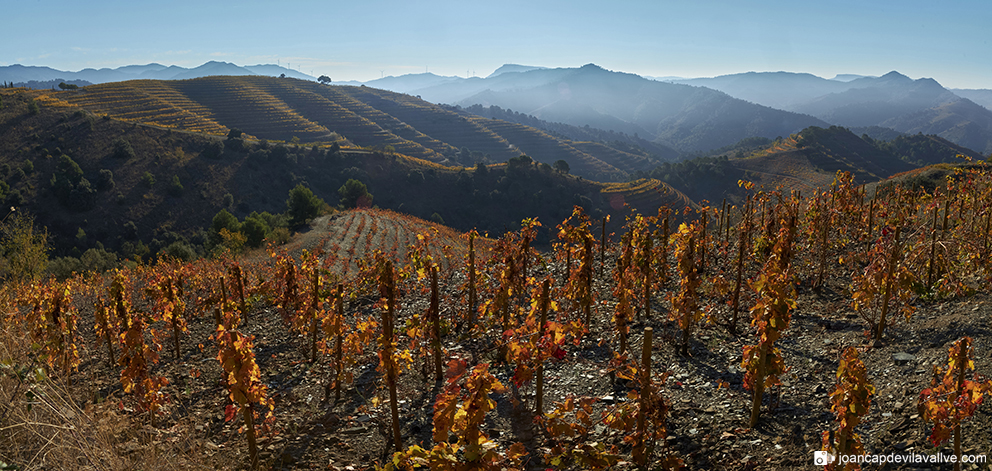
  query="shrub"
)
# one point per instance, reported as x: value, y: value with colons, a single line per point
x: 180, y: 251
x: 223, y: 220
x: 255, y: 230
x: 105, y: 181
x: 14, y: 198
x: 213, y: 150
x: 64, y: 267
x: 98, y: 260
x: 130, y: 230
x: 148, y: 179
x: 279, y: 235
x: 302, y: 205
x: 122, y: 149
x: 23, y: 248
x: 176, y: 188
x: 354, y: 194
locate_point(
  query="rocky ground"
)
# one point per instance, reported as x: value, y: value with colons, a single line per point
x: 708, y: 426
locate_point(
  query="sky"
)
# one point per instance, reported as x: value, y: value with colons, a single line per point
x: 949, y: 41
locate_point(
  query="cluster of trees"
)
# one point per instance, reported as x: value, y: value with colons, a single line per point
x: 228, y: 233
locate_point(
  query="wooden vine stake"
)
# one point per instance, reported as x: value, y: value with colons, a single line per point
x: 663, y: 261
x: 387, y: 290
x: 644, y: 397
x: 339, y: 328
x: 314, y: 313
x: 742, y: 233
x: 545, y: 300
x: 888, y: 282
x: 103, y: 323
x: 824, y: 227
x: 472, y: 301
x: 586, y: 274
x: 648, y: 248
x: 933, y: 249
x: 602, y: 247
x: 436, y: 327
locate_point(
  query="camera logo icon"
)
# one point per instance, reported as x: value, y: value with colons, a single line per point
x: 822, y: 458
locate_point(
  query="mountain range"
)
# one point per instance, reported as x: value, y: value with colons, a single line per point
x: 22, y: 74
x: 686, y: 115
x: 694, y: 115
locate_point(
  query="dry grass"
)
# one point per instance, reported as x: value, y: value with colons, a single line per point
x: 44, y: 424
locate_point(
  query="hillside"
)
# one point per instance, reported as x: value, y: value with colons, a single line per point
x: 806, y: 160
x: 961, y: 122
x: 874, y: 101
x: 126, y: 200
x: 348, y: 237
x: 287, y: 110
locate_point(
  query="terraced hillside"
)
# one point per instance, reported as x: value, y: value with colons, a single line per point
x: 815, y: 155
x: 169, y: 185
x: 350, y: 236
x: 644, y: 195
x: 312, y: 113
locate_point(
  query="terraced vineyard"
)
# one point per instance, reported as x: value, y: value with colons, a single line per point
x: 799, y: 156
x: 239, y: 103
x: 436, y: 121
x: 624, y: 161
x: 284, y: 109
x: 145, y: 101
x: 644, y: 195
x: 350, y: 236
x: 545, y: 148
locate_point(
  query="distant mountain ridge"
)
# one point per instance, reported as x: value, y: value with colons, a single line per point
x: 689, y: 115
x: 17, y: 73
x: 893, y: 101
x: 680, y: 116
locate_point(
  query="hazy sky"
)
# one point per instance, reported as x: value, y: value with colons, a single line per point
x: 950, y: 41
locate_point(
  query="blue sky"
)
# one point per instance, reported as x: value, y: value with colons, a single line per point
x: 949, y: 41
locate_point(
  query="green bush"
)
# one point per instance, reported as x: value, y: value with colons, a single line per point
x: 105, y: 181
x: 279, y: 236
x: 179, y: 251
x: 255, y: 230
x: 176, y: 188
x: 213, y: 150
x: 302, y: 205
x: 122, y: 149
x: 354, y: 194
